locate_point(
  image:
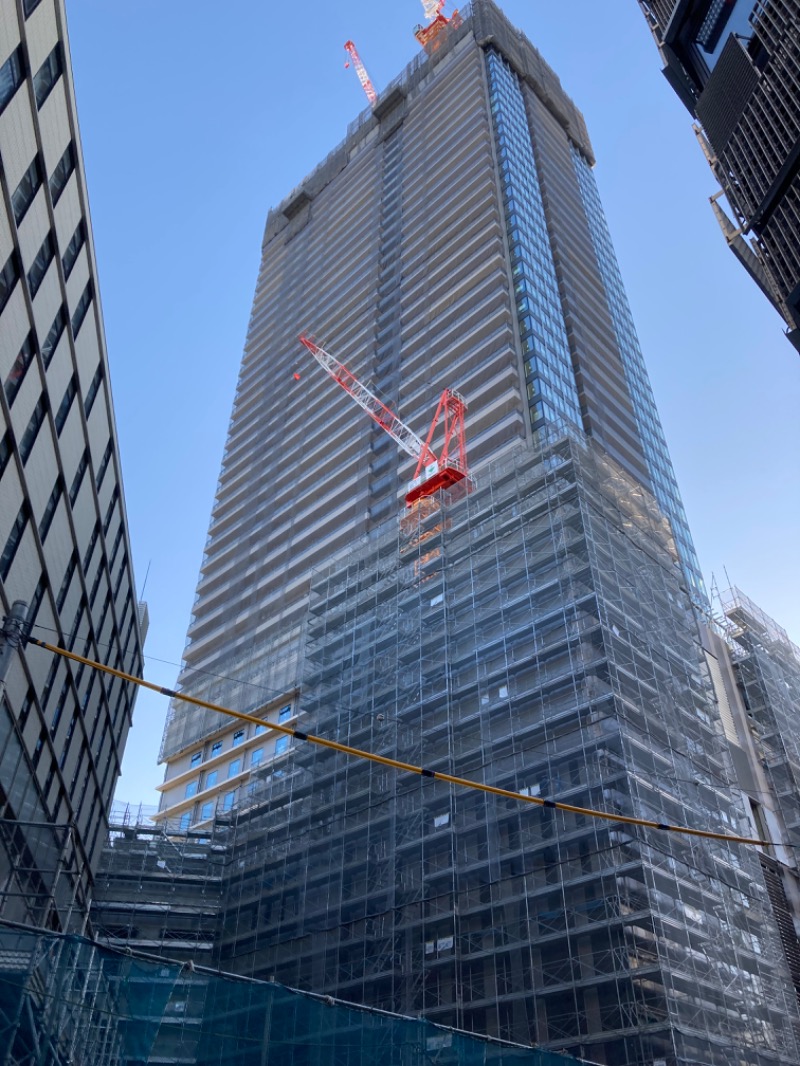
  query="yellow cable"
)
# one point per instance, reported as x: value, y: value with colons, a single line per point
x: 395, y: 763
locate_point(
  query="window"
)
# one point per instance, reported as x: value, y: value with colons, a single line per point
x: 207, y: 810
x: 25, y: 710
x: 186, y: 820
x: 64, y: 406
x: 61, y: 175
x: 59, y: 709
x: 47, y: 75
x: 29, y: 6
x: 196, y: 759
x: 5, y: 452
x: 32, y: 429
x: 75, y: 487
x: 211, y: 778
x: 238, y: 737
x: 44, y: 257
x: 16, y: 374
x: 228, y: 801
x: 36, y: 601
x: 12, y: 74
x: 101, y: 473
x: 50, y: 510
x: 257, y: 758
x: 115, y: 547
x: 99, y: 629
x: 62, y: 592
x: 25, y: 192
x: 259, y: 729
x: 91, y: 546
x: 98, y: 577
x: 234, y: 767
x: 216, y: 748
x: 67, y: 741
x: 48, y: 685
x: 285, y: 713
x: 14, y: 538
x: 110, y: 510
x: 8, y: 279
x: 191, y: 789
x: 37, y: 751
x: 53, y: 336
x: 77, y: 241
x: 83, y: 306
x: 91, y: 394
x: 281, y: 745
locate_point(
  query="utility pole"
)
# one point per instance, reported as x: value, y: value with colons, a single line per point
x: 11, y: 636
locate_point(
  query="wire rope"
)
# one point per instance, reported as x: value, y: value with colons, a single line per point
x: 397, y: 764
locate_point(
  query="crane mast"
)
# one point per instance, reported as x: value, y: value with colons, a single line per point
x: 432, y: 473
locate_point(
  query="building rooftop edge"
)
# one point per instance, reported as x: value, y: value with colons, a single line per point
x: 488, y: 26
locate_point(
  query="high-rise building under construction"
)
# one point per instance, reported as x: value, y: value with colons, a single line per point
x: 537, y: 634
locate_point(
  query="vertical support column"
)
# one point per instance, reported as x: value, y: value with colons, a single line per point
x: 11, y: 636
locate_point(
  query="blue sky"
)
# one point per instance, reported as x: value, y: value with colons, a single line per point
x: 196, y: 117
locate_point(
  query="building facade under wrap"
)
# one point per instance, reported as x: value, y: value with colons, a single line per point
x: 538, y: 633
x: 533, y: 636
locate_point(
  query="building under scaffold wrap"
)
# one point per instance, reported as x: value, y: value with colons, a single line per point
x: 535, y: 635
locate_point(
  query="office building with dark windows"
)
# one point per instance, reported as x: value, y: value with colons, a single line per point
x: 538, y: 633
x: 734, y: 65
x: 64, y: 547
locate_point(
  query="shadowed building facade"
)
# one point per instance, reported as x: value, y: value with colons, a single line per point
x: 734, y: 66
x: 64, y: 546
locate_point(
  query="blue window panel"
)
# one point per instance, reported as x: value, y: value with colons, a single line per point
x: 540, y: 317
x: 281, y: 745
x: 654, y: 445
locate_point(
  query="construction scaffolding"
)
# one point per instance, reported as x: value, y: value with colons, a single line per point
x: 767, y: 668
x: 65, y: 1000
x: 158, y: 891
x: 255, y: 676
x: 536, y: 635
x: 41, y: 880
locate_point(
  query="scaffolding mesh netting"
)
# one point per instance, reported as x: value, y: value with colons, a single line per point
x: 66, y: 999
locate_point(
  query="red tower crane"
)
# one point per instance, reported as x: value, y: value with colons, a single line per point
x: 432, y: 473
x: 361, y: 70
x: 427, y: 35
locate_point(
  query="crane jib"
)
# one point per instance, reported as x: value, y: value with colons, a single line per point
x: 433, y: 473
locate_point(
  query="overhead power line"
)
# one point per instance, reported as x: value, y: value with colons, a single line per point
x: 410, y: 768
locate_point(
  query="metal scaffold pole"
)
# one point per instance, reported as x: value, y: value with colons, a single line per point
x: 11, y: 636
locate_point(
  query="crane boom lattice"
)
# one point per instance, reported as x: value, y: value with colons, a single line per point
x: 361, y: 71
x: 431, y: 473
x: 375, y: 408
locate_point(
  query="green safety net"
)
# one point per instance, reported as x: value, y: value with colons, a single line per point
x: 65, y: 999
